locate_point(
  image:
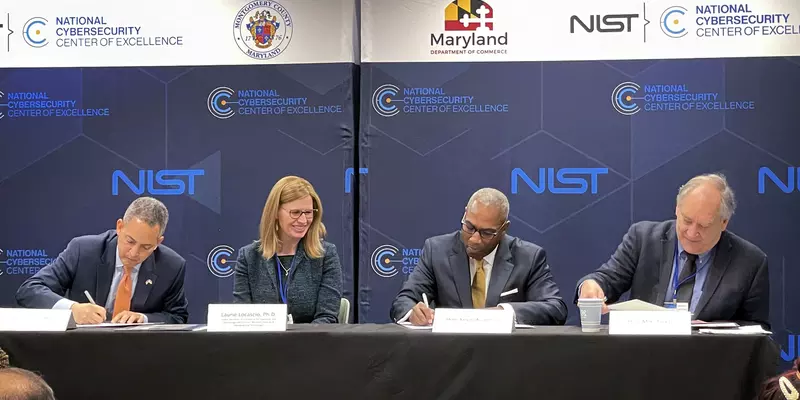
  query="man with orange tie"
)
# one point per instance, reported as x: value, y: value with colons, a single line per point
x: 124, y: 275
x: 481, y: 266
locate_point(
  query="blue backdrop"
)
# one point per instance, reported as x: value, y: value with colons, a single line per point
x: 57, y: 173
x: 421, y: 159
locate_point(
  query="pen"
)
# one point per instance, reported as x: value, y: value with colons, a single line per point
x: 425, y: 299
x: 88, y: 296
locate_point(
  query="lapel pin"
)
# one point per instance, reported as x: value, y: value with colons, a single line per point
x: 148, y: 282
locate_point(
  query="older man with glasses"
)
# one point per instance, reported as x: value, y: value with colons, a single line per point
x: 481, y: 266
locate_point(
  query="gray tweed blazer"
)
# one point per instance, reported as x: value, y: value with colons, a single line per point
x: 315, y: 285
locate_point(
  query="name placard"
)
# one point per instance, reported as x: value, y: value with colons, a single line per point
x: 468, y: 320
x: 669, y: 322
x: 35, y: 320
x: 247, y: 317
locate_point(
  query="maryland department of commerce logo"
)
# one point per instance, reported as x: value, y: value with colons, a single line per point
x: 221, y: 262
x: 468, y: 15
x: 673, y: 23
x: 623, y: 98
x: 34, y: 32
x: 263, y: 29
x: 219, y: 102
x: 383, y: 98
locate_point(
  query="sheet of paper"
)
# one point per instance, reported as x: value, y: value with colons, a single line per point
x: 742, y: 330
x: 635, y: 305
x: 167, y: 327
x: 712, y: 325
x: 524, y: 326
x: 113, y: 325
x: 416, y: 327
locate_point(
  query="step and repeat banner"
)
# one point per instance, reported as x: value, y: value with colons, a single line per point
x: 459, y: 95
x: 202, y: 104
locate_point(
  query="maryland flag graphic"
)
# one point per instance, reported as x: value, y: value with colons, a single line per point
x: 468, y: 15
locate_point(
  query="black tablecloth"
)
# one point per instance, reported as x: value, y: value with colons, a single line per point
x: 392, y: 362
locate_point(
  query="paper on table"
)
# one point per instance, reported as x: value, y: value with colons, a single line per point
x: 168, y: 327
x: 524, y: 326
x: 636, y: 305
x: 114, y: 325
x: 714, y: 324
x: 742, y: 330
x: 416, y: 327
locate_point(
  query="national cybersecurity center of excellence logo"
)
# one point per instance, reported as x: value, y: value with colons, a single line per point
x: 96, y: 31
x: 628, y: 98
x: 221, y: 261
x: 41, y: 104
x: 388, y: 260
x: 263, y: 29
x: 389, y: 100
x: 725, y: 20
x: 224, y: 102
x: 23, y: 261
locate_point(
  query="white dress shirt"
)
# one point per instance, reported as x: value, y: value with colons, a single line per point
x: 65, y: 304
x: 488, y: 263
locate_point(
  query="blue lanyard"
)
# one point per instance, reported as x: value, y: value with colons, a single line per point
x: 676, y: 272
x: 283, y: 289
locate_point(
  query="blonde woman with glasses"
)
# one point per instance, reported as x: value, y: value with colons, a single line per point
x: 291, y: 263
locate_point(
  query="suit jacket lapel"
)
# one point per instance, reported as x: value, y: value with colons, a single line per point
x: 722, y: 259
x: 268, y: 274
x: 668, y: 242
x: 501, y: 271
x: 459, y: 266
x: 105, y: 272
x: 144, y: 283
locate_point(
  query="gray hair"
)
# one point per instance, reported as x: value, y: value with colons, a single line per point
x: 20, y: 384
x: 490, y: 197
x: 727, y: 205
x: 150, y: 211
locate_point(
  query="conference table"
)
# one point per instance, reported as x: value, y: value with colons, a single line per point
x: 373, y: 361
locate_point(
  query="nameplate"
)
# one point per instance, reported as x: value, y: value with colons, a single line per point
x: 246, y: 317
x: 668, y: 322
x: 35, y: 320
x: 468, y: 320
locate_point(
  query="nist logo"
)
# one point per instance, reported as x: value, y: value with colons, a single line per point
x: 559, y: 181
x: 609, y: 23
x: 165, y: 182
x: 791, y: 183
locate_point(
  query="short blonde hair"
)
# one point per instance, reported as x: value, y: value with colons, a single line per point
x: 286, y: 190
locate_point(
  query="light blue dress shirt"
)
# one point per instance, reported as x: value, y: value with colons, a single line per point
x: 112, y: 292
x: 704, y: 262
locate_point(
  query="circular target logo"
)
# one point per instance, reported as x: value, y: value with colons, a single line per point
x: 221, y: 262
x: 263, y: 29
x: 673, y: 22
x: 34, y: 32
x: 219, y: 102
x: 382, y: 262
x: 383, y: 100
x: 623, y: 98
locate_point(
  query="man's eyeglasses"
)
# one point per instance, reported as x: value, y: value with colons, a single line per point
x: 486, y: 234
x: 295, y: 214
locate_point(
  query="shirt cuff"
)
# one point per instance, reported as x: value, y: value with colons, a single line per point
x: 405, y: 318
x: 145, y: 318
x: 63, y: 304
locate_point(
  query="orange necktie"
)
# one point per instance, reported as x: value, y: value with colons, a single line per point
x: 122, y: 302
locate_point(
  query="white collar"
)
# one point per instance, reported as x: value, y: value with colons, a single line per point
x: 489, y: 259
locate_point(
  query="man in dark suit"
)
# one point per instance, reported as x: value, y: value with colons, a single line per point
x: 482, y: 267
x: 691, y: 262
x: 128, y: 273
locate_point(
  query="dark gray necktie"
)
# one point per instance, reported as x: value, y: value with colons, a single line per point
x: 686, y: 286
